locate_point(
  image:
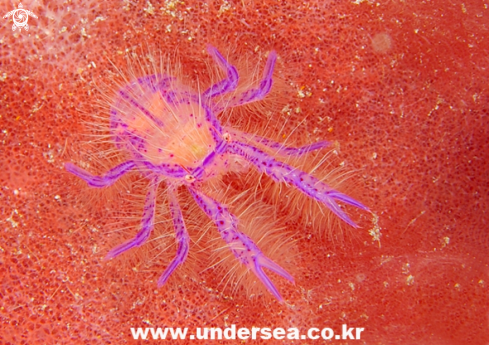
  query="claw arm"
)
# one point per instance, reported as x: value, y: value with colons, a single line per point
x: 279, y: 148
x: 306, y: 183
x: 241, y: 245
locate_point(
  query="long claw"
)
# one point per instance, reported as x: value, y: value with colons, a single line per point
x: 268, y: 283
x: 307, y: 184
x: 241, y: 245
x: 347, y: 200
x: 266, y: 262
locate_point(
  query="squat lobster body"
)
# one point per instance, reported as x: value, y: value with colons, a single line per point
x: 173, y: 134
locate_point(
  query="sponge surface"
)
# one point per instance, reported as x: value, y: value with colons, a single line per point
x: 402, y: 86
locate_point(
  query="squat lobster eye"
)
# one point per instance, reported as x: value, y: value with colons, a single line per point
x: 227, y: 137
x: 189, y: 178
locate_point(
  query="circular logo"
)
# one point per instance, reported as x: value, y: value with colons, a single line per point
x: 20, y: 18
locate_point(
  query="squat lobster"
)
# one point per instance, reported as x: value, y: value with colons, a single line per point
x: 173, y: 134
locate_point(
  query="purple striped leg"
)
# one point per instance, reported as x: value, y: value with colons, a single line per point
x: 241, y: 245
x: 280, y: 148
x: 229, y: 83
x: 257, y: 94
x: 306, y: 183
x: 181, y: 236
x: 147, y: 222
x: 100, y: 181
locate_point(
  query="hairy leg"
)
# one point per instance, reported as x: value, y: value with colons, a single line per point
x: 279, y: 148
x: 257, y: 94
x: 241, y: 245
x: 100, y: 181
x: 147, y: 222
x: 306, y: 183
x: 254, y: 94
x: 229, y: 83
x: 181, y: 236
